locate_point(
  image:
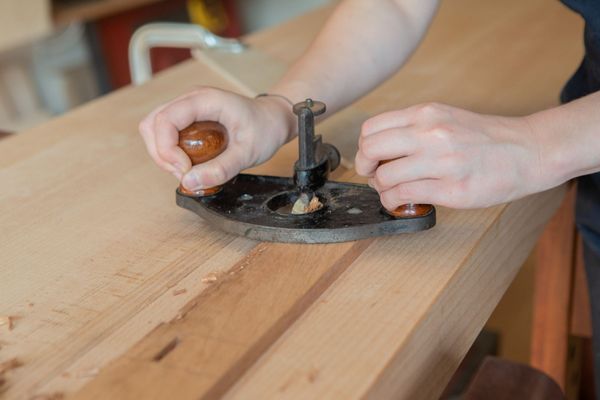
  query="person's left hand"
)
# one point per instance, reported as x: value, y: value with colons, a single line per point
x: 450, y: 157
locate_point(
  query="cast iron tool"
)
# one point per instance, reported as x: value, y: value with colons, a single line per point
x: 260, y: 207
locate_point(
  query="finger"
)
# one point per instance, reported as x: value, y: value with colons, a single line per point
x: 387, y: 120
x: 364, y: 166
x: 146, y: 129
x: 390, y: 144
x: 216, y: 171
x: 418, y: 192
x: 177, y: 116
x: 403, y: 170
x: 166, y: 136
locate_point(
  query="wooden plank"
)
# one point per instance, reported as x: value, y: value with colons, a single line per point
x: 227, y: 328
x: 405, y: 311
x: 581, y: 314
x: 96, y: 254
x: 555, y: 255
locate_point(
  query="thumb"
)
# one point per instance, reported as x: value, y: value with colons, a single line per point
x: 214, y: 172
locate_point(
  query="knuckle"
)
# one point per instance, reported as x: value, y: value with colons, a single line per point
x: 388, y: 201
x: 385, y: 199
x: 161, y: 117
x: 365, y: 128
x: 403, y: 192
x: 441, y: 133
x: 380, y: 178
x: 430, y: 111
x: 144, y: 127
x: 368, y: 149
x: 162, y: 152
x: 220, y: 173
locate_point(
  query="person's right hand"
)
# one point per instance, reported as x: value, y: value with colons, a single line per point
x: 256, y: 129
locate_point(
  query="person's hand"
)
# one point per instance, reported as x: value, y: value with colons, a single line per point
x: 256, y: 129
x: 450, y: 157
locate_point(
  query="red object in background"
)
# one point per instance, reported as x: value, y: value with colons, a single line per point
x: 114, y: 33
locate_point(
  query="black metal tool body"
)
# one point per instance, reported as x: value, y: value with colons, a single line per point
x: 259, y: 207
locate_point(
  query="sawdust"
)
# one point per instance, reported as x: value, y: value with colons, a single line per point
x: 177, y: 292
x: 7, y: 366
x: 210, y: 278
x: 8, y: 320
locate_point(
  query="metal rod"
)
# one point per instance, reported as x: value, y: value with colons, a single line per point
x: 306, y: 133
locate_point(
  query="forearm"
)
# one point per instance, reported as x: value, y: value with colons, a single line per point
x: 362, y: 44
x: 569, y: 140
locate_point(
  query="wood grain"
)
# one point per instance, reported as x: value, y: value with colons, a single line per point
x: 555, y: 256
x: 581, y: 314
x: 96, y: 246
x: 231, y: 324
x: 406, y: 310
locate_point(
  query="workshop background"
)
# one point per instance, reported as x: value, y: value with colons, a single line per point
x: 58, y: 54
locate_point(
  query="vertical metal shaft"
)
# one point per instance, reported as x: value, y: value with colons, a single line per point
x: 306, y: 135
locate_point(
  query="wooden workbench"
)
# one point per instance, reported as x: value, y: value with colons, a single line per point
x: 118, y: 293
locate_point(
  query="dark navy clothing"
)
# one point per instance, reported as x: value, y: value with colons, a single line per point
x: 586, y: 80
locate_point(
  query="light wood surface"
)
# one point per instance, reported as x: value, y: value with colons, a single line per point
x: 96, y: 254
x: 23, y: 21
x: 92, y: 9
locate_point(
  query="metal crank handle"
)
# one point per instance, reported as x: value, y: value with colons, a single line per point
x: 203, y: 141
x: 409, y: 210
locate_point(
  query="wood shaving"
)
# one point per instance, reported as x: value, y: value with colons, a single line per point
x: 314, y: 205
x: 210, y: 278
x: 177, y: 292
x: 9, y: 365
x: 8, y: 320
x: 89, y: 373
x: 312, y: 375
x: 305, y: 206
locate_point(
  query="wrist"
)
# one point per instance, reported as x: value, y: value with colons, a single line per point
x: 280, y: 116
x: 554, y: 165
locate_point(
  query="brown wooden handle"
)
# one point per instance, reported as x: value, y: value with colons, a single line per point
x: 408, y: 210
x: 203, y: 141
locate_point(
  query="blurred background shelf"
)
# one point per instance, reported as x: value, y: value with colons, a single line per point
x: 58, y: 54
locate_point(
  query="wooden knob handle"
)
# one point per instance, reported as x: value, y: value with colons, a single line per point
x: 408, y: 210
x: 202, y: 141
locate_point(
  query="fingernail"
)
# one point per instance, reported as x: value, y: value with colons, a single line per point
x: 191, y: 181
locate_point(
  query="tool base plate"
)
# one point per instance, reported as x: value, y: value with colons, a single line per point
x: 257, y: 207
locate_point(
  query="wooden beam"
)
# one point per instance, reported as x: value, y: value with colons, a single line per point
x: 555, y: 256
